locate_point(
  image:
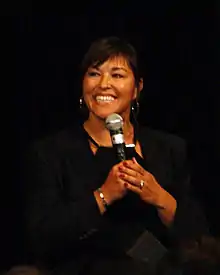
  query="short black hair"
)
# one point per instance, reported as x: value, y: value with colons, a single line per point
x: 104, y: 48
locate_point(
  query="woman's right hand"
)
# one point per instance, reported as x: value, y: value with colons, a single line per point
x: 114, y: 186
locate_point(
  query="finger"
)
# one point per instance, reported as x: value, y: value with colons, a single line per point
x: 133, y: 188
x: 134, y: 166
x: 130, y: 179
x: 121, y: 181
x: 121, y: 177
x: 141, y: 169
x: 129, y: 172
x: 135, y: 161
x: 137, y: 164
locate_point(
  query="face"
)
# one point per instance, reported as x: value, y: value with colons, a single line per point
x: 110, y: 88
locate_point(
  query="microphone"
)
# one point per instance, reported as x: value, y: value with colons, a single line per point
x: 114, y: 123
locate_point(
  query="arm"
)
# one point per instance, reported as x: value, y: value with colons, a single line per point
x: 99, y: 201
x: 55, y: 222
x: 167, y: 208
x: 189, y: 220
x: 175, y: 207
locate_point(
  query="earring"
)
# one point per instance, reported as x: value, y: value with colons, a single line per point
x: 135, y: 106
x: 83, y: 108
x: 81, y: 103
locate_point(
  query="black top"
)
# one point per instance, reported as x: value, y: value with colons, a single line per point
x: 63, y: 219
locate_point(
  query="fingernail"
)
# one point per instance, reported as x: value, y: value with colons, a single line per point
x: 125, y: 185
x: 121, y: 175
x: 125, y: 164
x: 120, y: 168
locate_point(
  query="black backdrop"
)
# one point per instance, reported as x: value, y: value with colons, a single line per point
x: 177, y: 42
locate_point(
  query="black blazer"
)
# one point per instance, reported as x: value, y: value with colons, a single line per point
x: 63, y: 220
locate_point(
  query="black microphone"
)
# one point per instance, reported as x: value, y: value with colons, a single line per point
x: 114, y: 123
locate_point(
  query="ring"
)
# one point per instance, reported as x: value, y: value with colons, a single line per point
x: 141, y: 184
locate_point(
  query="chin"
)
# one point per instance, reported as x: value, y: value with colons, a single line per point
x: 103, y: 115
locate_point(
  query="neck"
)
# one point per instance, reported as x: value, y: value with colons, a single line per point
x: 97, y: 130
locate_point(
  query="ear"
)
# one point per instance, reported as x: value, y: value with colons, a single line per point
x: 138, y: 89
x: 141, y: 85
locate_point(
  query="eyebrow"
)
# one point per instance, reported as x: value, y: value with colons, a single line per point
x: 119, y: 68
x: 113, y: 68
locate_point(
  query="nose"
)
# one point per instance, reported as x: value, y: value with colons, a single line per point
x: 104, y: 82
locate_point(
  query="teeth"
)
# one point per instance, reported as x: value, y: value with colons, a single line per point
x: 104, y: 98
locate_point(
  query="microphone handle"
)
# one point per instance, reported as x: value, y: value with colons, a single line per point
x: 118, y: 143
x: 120, y: 151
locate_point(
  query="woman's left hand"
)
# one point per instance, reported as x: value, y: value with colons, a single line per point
x: 138, y: 180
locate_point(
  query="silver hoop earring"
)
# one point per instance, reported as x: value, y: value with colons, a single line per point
x: 135, y: 106
x: 83, y: 108
x: 81, y: 103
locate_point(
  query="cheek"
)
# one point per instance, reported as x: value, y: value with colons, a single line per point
x: 121, y: 86
x: 88, y: 86
x: 127, y: 89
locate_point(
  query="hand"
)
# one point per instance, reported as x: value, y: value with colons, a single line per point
x: 114, y: 187
x: 150, y: 192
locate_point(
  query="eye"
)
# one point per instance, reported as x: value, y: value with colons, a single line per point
x: 117, y: 76
x: 93, y: 73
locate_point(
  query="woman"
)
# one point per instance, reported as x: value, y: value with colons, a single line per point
x: 87, y: 209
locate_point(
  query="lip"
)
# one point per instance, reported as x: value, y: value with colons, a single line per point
x: 105, y: 102
x: 105, y: 95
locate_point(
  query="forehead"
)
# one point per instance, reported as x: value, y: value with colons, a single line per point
x: 116, y: 62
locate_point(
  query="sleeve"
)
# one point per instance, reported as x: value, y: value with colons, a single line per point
x: 55, y: 225
x: 190, y: 221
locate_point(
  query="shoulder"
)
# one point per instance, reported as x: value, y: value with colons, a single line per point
x: 65, y: 140
x: 161, y: 137
x: 166, y: 153
x: 163, y: 142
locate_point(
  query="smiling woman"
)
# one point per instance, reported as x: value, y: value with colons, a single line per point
x: 110, y: 88
x: 111, y: 83
x: 86, y: 211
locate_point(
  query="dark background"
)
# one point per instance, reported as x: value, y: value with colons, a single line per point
x: 178, y: 47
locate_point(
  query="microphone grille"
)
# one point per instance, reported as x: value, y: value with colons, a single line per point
x: 114, y: 122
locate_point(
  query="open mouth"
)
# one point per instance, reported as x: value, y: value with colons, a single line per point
x: 105, y: 99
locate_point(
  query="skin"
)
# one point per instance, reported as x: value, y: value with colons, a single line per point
x: 114, y: 80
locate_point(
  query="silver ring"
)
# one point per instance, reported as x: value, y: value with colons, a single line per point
x: 141, y: 184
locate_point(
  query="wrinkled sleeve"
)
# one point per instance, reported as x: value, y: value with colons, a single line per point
x: 54, y: 223
x: 190, y: 221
